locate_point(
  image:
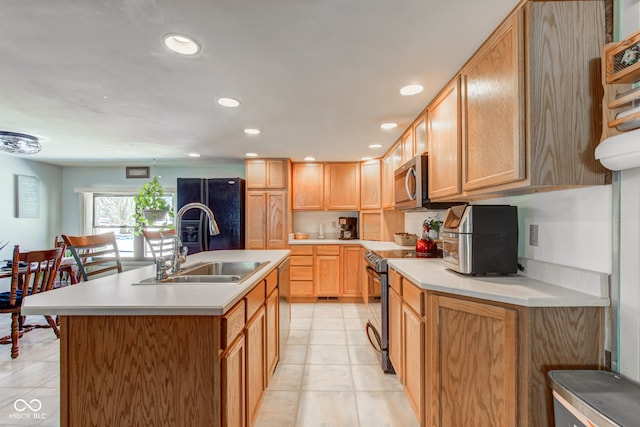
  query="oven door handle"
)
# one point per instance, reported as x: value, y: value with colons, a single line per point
x: 373, y: 273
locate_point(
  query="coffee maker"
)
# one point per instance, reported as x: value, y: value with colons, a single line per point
x: 348, y: 228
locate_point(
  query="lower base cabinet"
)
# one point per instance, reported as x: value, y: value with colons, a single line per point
x: 232, y: 378
x: 256, y: 367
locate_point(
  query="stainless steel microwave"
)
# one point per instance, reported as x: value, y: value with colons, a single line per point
x: 411, y: 186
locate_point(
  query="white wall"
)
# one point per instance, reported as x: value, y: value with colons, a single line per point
x: 115, y: 177
x: 29, y: 233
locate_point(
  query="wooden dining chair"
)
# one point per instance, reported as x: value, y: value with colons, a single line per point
x: 38, y: 275
x: 95, y: 255
x: 161, y: 242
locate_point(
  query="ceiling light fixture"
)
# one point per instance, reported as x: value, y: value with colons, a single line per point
x: 194, y: 155
x: 309, y: 159
x: 409, y: 90
x: 389, y: 125
x: 19, y: 143
x: 365, y: 158
x: 251, y: 154
x: 375, y: 145
x: 181, y: 44
x: 228, y: 102
x: 251, y: 131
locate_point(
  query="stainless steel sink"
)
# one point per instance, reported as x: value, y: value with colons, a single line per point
x: 210, y: 273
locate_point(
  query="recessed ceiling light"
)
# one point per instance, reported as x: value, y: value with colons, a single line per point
x: 389, y: 125
x: 251, y: 131
x: 411, y: 90
x: 251, y: 154
x: 366, y: 158
x: 194, y: 155
x: 228, y: 102
x: 309, y: 159
x: 375, y: 145
x: 181, y: 44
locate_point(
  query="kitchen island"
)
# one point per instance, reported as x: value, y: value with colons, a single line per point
x: 166, y: 354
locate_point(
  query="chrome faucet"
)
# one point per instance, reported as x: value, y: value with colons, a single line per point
x: 179, y: 251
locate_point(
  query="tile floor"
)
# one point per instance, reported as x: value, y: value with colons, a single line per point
x: 328, y: 376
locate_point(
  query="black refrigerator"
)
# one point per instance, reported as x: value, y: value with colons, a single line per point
x: 225, y: 197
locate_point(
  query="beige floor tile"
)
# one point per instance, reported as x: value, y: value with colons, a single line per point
x: 286, y: 378
x: 356, y: 337
x: 29, y: 374
x: 279, y: 409
x: 294, y: 354
x: 328, y: 324
x: 302, y: 311
x: 371, y: 378
x: 327, y: 378
x: 363, y: 355
x: 319, y: 336
x: 354, y: 311
x: 328, y: 355
x: 298, y: 336
x: 327, y: 409
x: 355, y: 324
x: 385, y: 409
x: 327, y: 311
x: 301, y: 323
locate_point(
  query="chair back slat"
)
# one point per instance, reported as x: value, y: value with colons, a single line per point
x: 95, y: 255
x: 161, y: 243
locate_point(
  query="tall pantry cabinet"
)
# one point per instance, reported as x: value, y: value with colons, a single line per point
x: 268, y: 213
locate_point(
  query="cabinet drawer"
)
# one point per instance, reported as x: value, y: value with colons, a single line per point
x: 272, y: 282
x: 232, y: 324
x: 301, y: 260
x: 301, y: 288
x: 301, y: 250
x: 412, y: 296
x: 395, y: 281
x: 301, y: 273
x: 328, y: 250
x: 255, y: 299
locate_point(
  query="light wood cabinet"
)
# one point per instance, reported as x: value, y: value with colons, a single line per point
x: 387, y: 182
x: 267, y: 220
x: 413, y: 356
x: 308, y: 186
x: 381, y: 224
x: 232, y: 384
x: 492, y: 87
x: 327, y: 271
x: 272, y: 339
x: 473, y: 363
x: 370, y: 178
x: 396, y: 156
x: 302, y: 271
x: 444, y: 142
x: 350, y: 281
x: 407, y: 145
x: 255, y: 371
x: 342, y: 186
x: 267, y: 173
x: 420, y: 134
x: 395, y: 333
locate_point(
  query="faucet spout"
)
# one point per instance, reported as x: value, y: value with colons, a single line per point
x: 178, y: 257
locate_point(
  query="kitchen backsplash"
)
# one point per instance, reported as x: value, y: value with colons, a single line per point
x: 413, y: 220
x: 310, y: 222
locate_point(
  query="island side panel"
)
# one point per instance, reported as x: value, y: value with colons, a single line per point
x: 139, y: 370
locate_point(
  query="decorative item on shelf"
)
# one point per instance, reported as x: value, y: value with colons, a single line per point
x: 152, y: 208
x: 19, y: 143
x: 405, y: 239
x: 426, y: 246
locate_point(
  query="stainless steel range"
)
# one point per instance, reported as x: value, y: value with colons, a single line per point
x: 376, y: 296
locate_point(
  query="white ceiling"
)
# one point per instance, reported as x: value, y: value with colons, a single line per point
x: 93, y: 80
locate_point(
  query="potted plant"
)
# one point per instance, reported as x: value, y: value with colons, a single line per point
x: 151, y: 205
x: 434, y: 226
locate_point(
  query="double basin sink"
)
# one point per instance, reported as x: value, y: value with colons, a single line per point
x: 233, y: 272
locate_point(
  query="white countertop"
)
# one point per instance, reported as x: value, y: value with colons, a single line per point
x: 430, y: 273
x: 368, y: 244
x: 116, y: 295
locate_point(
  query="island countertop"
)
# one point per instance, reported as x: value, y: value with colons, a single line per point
x: 116, y: 295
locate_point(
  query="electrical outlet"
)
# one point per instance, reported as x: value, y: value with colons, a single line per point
x: 533, y: 235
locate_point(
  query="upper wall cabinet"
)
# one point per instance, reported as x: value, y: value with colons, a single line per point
x: 267, y: 173
x: 444, y: 142
x: 328, y: 186
x: 370, y: 185
x: 308, y: 186
x: 420, y: 134
x: 387, y: 181
x: 407, y: 145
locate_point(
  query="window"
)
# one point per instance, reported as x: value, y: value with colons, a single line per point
x: 114, y: 212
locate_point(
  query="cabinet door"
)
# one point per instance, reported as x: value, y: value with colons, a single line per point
x: 350, y: 259
x: 232, y: 385
x: 493, y: 148
x: 256, y: 375
x: 272, y: 333
x: 276, y: 229
x: 407, y: 145
x: 266, y: 173
x: 387, y: 181
x: 472, y: 363
x: 308, y: 186
x: 342, y: 186
x: 395, y: 333
x: 370, y: 185
x: 413, y: 352
x: 420, y: 134
x: 256, y: 220
x: 327, y: 271
x: 444, y: 143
